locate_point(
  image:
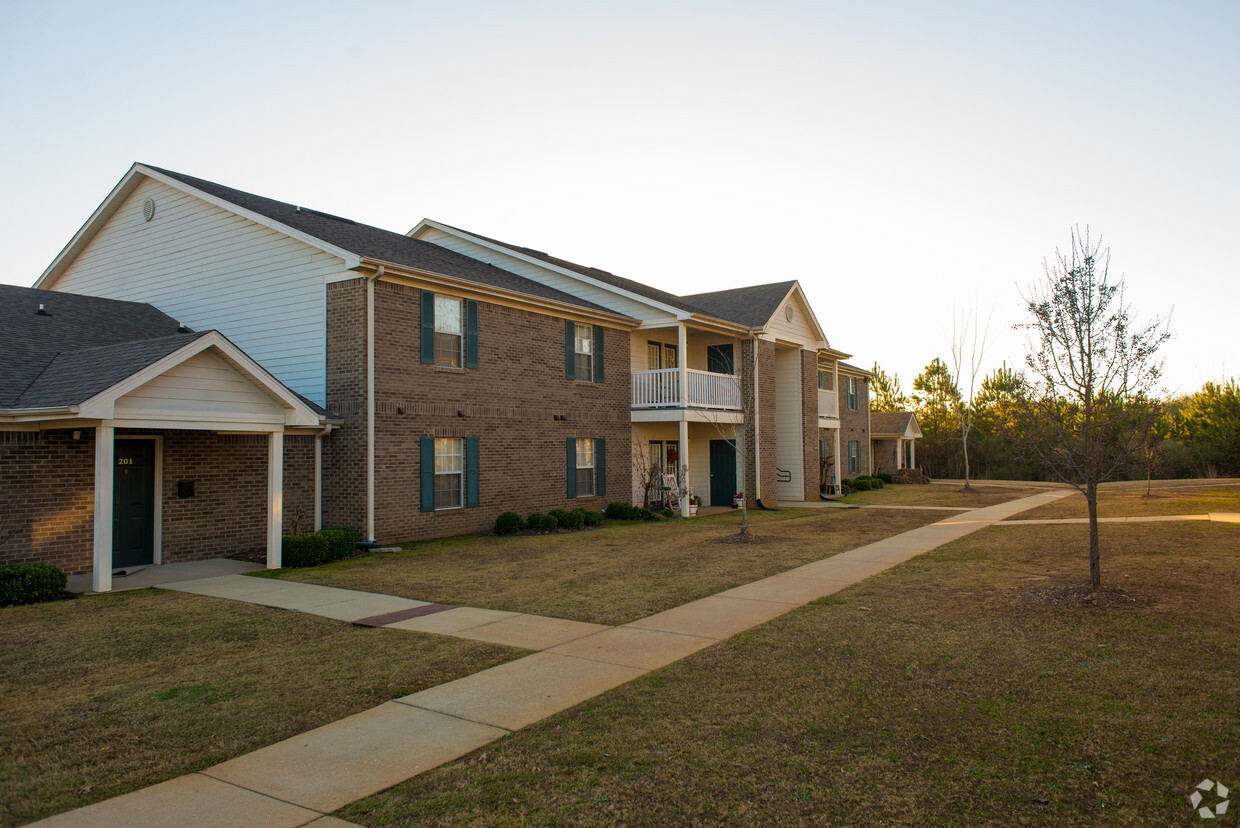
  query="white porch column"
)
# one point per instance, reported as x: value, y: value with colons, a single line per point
x: 318, y: 482
x: 683, y: 460
x: 275, y: 497
x: 912, y: 454
x: 104, y: 461
x: 682, y: 365
x: 899, y: 454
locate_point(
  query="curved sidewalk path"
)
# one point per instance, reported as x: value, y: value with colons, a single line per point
x: 299, y: 780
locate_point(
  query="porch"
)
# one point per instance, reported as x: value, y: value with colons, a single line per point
x: 662, y: 388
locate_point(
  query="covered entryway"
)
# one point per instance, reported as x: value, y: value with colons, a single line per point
x: 722, y: 472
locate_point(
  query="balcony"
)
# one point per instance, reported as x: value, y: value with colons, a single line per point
x: 707, y: 390
x: 828, y: 405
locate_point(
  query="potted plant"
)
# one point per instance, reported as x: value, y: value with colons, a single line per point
x: 694, y: 503
x: 737, y: 499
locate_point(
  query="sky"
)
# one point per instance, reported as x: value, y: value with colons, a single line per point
x: 905, y: 161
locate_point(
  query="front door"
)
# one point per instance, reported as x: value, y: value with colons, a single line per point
x: 133, y: 503
x: 722, y: 472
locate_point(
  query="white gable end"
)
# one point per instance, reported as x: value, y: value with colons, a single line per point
x: 210, y: 268
x: 203, y: 389
x: 798, y: 330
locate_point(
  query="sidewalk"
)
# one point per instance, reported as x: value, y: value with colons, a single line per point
x: 297, y: 781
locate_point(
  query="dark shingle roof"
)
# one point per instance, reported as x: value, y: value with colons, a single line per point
x: 74, y: 377
x: 889, y: 422
x: 749, y: 306
x: 857, y: 369
x: 30, y: 341
x: 381, y: 245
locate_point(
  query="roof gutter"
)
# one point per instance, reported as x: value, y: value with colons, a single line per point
x: 39, y: 412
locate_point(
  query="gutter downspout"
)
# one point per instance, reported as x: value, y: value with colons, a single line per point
x: 370, y: 402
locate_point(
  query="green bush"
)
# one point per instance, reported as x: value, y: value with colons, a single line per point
x: 508, y: 522
x: 846, y: 487
x: 861, y: 484
x: 30, y: 583
x: 341, y: 542
x: 668, y: 513
x: 306, y: 549
x: 541, y: 523
x: 560, y: 516
x: 642, y: 513
x: 885, y: 477
x: 591, y: 517
x: 570, y: 520
x: 619, y: 511
x: 875, y: 483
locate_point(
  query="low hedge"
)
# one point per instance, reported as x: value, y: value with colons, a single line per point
x: 589, y: 517
x: 314, y: 548
x: 508, y: 523
x: 642, y: 513
x: 30, y: 583
x: 541, y: 523
x: 569, y: 520
x: 619, y: 511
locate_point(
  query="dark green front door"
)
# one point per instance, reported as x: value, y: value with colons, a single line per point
x: 133, y: 503
x: 722, y: 472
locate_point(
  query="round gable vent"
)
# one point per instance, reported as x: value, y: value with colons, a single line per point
x: 788, y: 311
x: 148, y: 209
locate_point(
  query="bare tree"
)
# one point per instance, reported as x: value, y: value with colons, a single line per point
x: 1088, y: 395
x: 968, y: 350
x: 647, y: 471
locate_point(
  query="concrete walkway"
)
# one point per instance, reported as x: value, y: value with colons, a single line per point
x: 297, y: 781
x: 1216, y: 517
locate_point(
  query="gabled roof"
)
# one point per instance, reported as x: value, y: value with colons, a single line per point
x: 750, y: 306
x: 81, y: 346
x: 894, y: 423
x: 344, y: 237
x: 855, y: 369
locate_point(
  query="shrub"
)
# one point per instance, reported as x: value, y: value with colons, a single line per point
x: 885, y: 477
x: 592, y: 518
x: 619, y: 511
x: 642, y: 513
x: 30, y: 583
x: 668, y: 513
x: 508, y: 522
x: 861, y: 484
x: 875, y: 483
x: 306, y: 549
x: 560, y: 516
x: 341, y: 541
x: 570, y: 520
x: 541, y: 523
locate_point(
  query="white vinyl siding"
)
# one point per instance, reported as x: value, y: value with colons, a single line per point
x: 798, y: 330
x: 202, y: 388
x: 209, y: 268
x: 543, y: 275
x: 789, y: 425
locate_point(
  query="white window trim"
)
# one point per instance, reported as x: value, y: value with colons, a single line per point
x: 460, y: 475
x: 593, y: 467
x: 459, y: 334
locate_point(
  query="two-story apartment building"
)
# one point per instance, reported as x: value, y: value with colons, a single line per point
x: 457, y: 376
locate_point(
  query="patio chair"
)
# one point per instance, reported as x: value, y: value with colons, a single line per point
x: 671, y: 492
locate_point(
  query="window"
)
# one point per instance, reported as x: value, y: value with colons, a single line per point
x: 583, y: 351
x: 824, y: 379
x: 654, y: 356
x: 854, y: 456
x: 854, y: 392
x: 449, y: 472
x: 449, y: 337
x: 585, y: 468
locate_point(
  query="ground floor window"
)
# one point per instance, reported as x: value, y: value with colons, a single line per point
x: 854, y: 456
x: 586, y: 472
x: 585, y: 467
x: 449, y: 472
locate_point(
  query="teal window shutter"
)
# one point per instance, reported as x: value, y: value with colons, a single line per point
x: 600, y: 466
x: 471, y: 471
x: 471, y: 333
x: 428, y: 474
x: 598, y: 353
x: 570, y: 349
x: 428, y: 327
x: 572, y: 464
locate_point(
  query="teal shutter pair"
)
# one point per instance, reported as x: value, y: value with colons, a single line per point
x: 428, y: 330
x: 570, y: 352
x: 600, y: 464
x: 428, y: 473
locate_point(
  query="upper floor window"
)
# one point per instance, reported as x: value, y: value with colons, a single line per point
x: 824, y: 379
x: 449, y: 332
x: 854, y: 392
x: 583, y: 351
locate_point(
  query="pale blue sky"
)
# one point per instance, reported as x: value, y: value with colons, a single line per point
x: 898, y: 159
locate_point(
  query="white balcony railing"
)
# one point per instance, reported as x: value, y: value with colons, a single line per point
x: 661, y: 389
x: 828, y: 404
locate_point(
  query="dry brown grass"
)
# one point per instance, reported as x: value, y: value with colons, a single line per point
x: 937, y: 494
x: 1169, y: 497
x: 943, y: 692
x: 612, y: 575
x: 106, y: 694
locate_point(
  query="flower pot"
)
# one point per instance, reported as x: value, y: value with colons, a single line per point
x: 692, y: 509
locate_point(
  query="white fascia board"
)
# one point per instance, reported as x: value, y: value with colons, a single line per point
x: 679, y: 313
x: 102, y: 405
x: 130, y: 182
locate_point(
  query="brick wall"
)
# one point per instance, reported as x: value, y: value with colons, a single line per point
x: 765, y: 420
x: 344, y: 450
x: 47, y: 495
x: 509, y: 402
x: 827, y: 435
x: 47, y: 498
x: 809, y: 416
x: 855, y: 425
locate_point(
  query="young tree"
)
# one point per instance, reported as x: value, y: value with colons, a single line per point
x: 968, y: 350
x: 885, y: 393
x: 1089, y: 391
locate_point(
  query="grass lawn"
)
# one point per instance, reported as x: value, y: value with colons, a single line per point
x: 106, y: 694
x: 962, y: 688
x: 1169, y: 497
x: 933, y: 494
x: 613, y: 575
